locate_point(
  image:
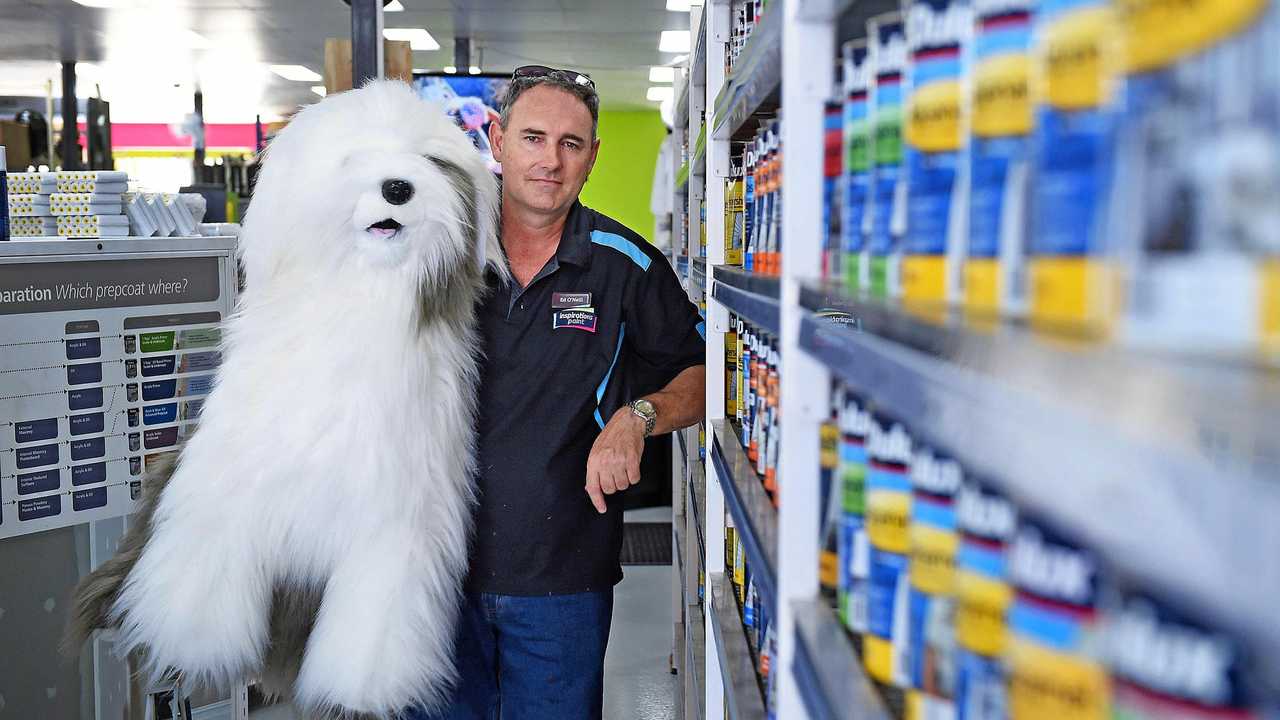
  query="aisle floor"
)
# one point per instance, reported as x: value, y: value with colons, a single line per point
x: 638, y: 681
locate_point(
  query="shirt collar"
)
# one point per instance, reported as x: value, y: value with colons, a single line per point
x: 575, y: 239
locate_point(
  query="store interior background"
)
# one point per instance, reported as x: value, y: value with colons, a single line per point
x: 148, y: 57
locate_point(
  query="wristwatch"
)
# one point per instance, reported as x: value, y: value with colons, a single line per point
x: 644, y: 410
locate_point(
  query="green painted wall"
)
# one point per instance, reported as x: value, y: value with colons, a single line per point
x: 622, y: 179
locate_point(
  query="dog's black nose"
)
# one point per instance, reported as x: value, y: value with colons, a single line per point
x: 397, y: 192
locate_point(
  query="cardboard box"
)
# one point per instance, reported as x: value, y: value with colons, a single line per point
x: 397, y: 62
x: 16, y: 139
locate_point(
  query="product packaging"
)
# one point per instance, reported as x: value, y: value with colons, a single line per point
x: 888, y: 189
x: 1000, y: 119
x: 937, y: 185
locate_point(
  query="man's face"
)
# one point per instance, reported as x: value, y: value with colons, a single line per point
x: 546, y: 150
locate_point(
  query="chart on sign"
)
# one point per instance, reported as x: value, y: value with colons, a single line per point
x: 104, y: 368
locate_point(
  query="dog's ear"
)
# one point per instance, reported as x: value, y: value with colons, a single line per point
x: 478, y: 189
x: 489, y: 251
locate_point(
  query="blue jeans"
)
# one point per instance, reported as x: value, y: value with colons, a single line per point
x: 529, y: 658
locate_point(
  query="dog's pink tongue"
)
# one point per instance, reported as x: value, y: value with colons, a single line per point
x: 381, y: 232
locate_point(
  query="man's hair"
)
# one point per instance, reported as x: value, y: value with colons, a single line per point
x: 556, y: 79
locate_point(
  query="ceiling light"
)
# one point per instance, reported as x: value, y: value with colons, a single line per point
x: 106, y: 3
x: 660, y: 74
x: 678, y: 59
x: 418, y: 38
x: 683, y: 5
x: 674, y: 41
x: 295, y: 72
x: 450, y: 69
x: 474, y: 69
x: 318, y: 89
x: 658, y: 93
x: 393, y: 6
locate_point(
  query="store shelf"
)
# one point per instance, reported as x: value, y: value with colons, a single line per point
x: 828, y: 672
x: 698, y: 500
x: 682, y: 176
x: 698, y: 58
x: 678, y: 532
x: 698, y: 163
x: 1180, y: 459
x: 699, y: 272
x: 682, y: 97
x: 754, y: 86
x: 695, y: 652
x: 754, y: 297
x: 741, y: 686
x: 754, y: 516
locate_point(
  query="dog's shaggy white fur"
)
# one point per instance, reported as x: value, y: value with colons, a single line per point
x: 325, y: 501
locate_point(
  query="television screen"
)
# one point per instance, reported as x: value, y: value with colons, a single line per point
x: 473, y: 101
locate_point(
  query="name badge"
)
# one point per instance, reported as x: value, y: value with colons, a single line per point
x: 566, y: 300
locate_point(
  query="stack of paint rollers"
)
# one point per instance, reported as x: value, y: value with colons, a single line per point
x: 97, y: 204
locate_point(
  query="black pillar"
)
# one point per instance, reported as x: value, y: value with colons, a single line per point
x: 70, y: 130
x: 197, y: 162
x: 462, y: 54
x: 366, y: 41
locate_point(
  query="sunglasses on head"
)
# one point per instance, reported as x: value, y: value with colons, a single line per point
x: 534, y: 71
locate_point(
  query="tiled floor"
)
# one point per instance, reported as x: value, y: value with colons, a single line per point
x: 638, y: 681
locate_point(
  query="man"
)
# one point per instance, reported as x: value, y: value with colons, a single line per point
x: 593, y: 308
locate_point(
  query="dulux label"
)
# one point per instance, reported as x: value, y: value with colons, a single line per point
x: 891, y: 51
x: 935, y: 475
x: 893, y: 445
x: 931, y: 26
x: 1049, y: 570
x: 857, y: 422
x: 859, y: 72
x: 984, y: 515
x: 1175, y: 659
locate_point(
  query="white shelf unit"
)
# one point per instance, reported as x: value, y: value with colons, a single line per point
x: 1011, y: 406
x: 780, y: 65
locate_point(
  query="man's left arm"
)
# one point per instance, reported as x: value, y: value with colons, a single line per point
x: 614, y: 464
x: 665, y: 331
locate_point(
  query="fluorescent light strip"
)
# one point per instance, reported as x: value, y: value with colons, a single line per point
x: 393, y: 6
x: 662, y: 74
x: 418, y: 38
x: 674, y: 41
x: 658, y: 93
x: 297, y: 73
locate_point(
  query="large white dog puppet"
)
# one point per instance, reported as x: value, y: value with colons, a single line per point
x: 313, y: 532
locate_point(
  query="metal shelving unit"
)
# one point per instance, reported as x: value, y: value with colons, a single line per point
x: 1015, y: 408
x: 753, y: 514
x: 749, y: 296
x: 828, y: 672
x: 743, y: 700
x: 698, y: 159
x: 1009, y: 405
x: 753, y: 87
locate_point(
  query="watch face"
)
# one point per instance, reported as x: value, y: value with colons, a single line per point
x: 646, y: 407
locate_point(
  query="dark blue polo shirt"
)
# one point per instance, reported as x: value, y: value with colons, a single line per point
x: 603, y: 322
